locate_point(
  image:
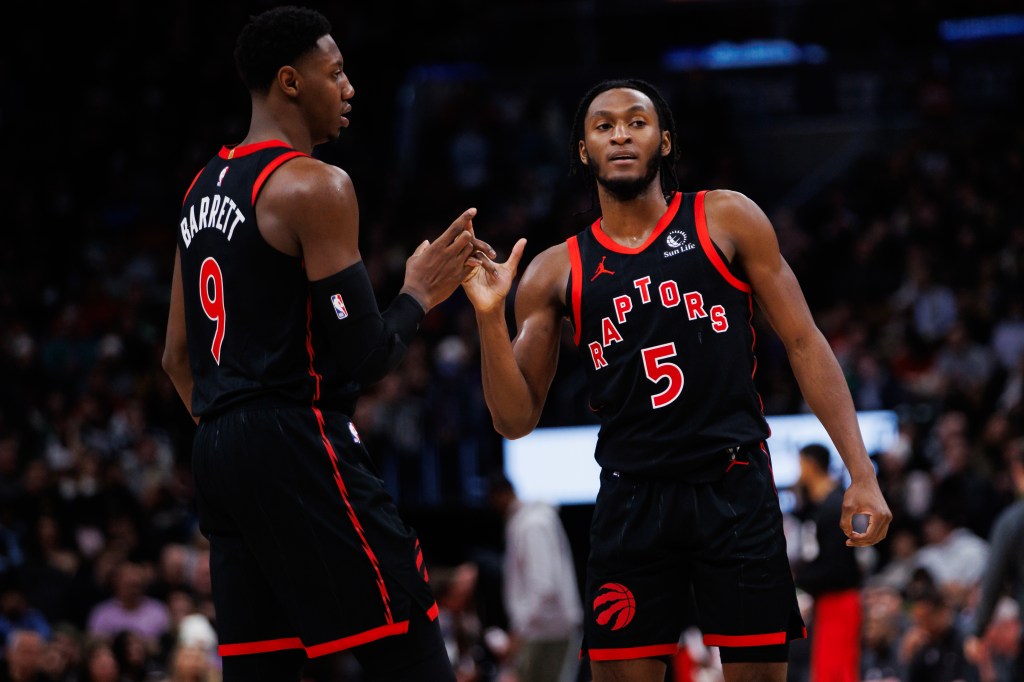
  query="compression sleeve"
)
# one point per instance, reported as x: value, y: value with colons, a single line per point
x: 367, y: 344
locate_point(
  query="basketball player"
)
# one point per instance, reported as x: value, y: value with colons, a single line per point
x: 660, y: 292
x: 273, y: 330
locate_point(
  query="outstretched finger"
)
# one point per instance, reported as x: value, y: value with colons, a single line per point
x: 421, y: 248
x: 517, y: 254
x: 481, y: 245
x: 461, y: 224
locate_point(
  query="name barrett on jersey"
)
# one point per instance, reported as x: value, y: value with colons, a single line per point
x: 669, y: 297
x: 218, y: 212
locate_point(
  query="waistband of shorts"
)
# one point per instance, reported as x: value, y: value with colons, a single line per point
x: 267, y: 402
x: 710, y: 467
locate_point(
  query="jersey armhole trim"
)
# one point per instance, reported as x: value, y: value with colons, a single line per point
x: 189, y: 191
x: 576, y: 282
x: 709, y: 247
x: 271, y: 167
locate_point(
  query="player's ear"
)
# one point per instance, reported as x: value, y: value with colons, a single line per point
x: 584, y: 157
x: 288, y: 80
x: 666, y: 143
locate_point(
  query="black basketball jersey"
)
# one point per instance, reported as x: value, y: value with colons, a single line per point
x: 665, y: 334
x: 251, y: 336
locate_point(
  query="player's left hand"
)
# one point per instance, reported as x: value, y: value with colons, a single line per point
x: 865, y: 497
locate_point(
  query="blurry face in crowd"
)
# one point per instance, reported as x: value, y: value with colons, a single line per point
x: 102, y: 666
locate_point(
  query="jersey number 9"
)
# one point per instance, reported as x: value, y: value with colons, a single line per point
x: 211, y: 295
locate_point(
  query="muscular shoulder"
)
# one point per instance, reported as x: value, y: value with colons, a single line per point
x: 307, y: 203
x: 737, y: 224
x: 546, y: 275
x: 305, y: 179
x: 730, y: 210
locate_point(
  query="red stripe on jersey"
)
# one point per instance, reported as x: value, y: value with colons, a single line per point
x: 271, y: 167
x: 433, y: 612
x: 245, y: 150
x: 309, y: 346
x: 629, y: 653
x: 709, y: 247
x: 768, y: 639
x: 576, y: 275
x: 185, y: 198
x: 265, y: 647
x: 355, y: 640
x: 663, y: 222
x: 753, y: 353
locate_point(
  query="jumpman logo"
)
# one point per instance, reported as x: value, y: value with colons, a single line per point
x: 601, y: 270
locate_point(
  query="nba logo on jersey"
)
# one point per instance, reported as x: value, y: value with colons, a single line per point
x: 220, y: 178
x: 339, y: 306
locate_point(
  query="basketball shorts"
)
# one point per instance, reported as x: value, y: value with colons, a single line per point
x: 665, y: 553
x: 307, y: 548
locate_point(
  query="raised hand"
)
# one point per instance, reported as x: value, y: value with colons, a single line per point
x: 488, y: 282
x: 435, y: 269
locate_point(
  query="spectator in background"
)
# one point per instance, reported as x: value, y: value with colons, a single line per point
x: 17, y: 614
x: 952, y: 555
x: 828, y: 572
x: 883, y: 630
x: 23, y: 657
x: 63, y: 654
x: 456, y: 590
x: 1005, y: 567
x: 99, y: 663
x: 542, y: 597
x: 932, y: 648
x: 130, y: 609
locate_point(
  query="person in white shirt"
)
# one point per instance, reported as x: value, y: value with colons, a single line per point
x: 540, y: 589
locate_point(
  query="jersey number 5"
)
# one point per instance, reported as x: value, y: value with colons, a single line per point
x: 211, y: 295
x: 658, y: 367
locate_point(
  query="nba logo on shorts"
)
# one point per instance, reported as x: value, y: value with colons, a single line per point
x: 339, y: 306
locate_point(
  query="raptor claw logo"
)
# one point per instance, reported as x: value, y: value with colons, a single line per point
x: 614, y: 606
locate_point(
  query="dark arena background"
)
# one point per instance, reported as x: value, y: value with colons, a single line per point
x: 885, y: 140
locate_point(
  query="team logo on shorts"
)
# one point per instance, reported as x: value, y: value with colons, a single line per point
x: 339, y: 306
x: 614, y: 606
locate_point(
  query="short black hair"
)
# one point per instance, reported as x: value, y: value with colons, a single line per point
x: 669, y: 182
x: 276, y: 38
x: 817, y: 453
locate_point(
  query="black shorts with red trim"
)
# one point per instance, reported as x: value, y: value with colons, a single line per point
x: 307, y: 548
x: 667, y: 554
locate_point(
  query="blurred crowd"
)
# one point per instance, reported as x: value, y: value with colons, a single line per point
x: 912, y: 261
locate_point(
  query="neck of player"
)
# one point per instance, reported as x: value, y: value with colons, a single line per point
x: 631, y: 221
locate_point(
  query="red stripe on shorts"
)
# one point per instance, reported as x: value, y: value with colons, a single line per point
x: 633, y: 652
x: 768, y: 639
x: 355, y: 640
x: 265, y: 647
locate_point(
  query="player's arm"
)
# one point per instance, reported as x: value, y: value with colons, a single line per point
x: 314, y: 204
x: 175, y: 358
x: 739, y: 226
x: 517, y: 372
